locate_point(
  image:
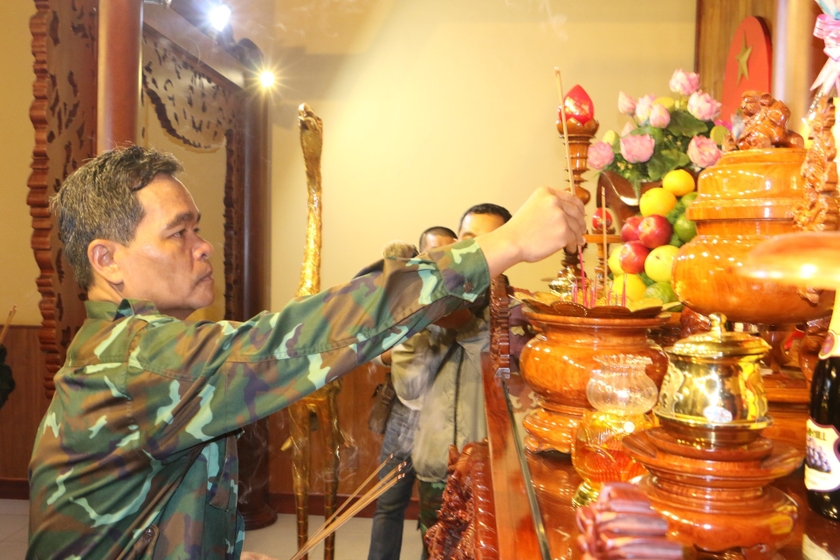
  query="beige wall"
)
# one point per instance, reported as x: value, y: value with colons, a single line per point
x: 430, y: 107
x: 18, y: 270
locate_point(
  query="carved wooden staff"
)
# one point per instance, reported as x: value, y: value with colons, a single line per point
x: 321, y: 403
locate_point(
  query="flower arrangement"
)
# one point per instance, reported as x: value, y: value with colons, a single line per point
x: 666, y: 133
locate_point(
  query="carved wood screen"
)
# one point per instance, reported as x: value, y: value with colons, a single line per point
x: 86, y: 55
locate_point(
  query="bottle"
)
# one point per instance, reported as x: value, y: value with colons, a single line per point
x: 822, y: 450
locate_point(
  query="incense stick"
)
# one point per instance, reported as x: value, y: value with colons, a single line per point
x: 385, y: 484
x: 624, y: 292
x: 583, y: 278
x: 356, y: 492
x: 8, y: 322
x: 349, y: 499
x: 604, y: 235
x: 565, y: 127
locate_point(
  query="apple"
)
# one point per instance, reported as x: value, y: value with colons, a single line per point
x: 660, y: 262
x: 632, y: 257
x: 598, y: 222
x: 630, y: 229
x: 655, y: 230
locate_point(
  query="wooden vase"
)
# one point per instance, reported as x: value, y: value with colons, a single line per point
x: 558, y: 363
x: 744, y: 199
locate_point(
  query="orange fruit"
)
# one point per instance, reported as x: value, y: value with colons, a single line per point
x: 657, y: 201
x: 678, y: 182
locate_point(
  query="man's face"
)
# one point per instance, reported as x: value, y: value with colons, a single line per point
x: 167, y: 262
x: 479, y: 224
x: 434, y: 241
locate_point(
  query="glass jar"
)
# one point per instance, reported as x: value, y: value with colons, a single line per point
x: 621, y: 395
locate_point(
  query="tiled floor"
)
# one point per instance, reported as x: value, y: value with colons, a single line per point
x: 278, y: 540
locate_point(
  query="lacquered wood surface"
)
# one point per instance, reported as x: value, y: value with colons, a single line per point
x: 517, y: 536
x: 554, y: 480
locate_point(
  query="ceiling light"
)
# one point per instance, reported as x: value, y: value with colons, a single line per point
x: 219, y: 16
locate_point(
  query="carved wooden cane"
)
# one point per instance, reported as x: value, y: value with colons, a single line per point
x: 321, y: 403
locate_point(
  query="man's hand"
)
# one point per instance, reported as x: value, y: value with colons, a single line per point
x: 548, y: 221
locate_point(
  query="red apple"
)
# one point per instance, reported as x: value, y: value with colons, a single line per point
x: 655, y: 230
x: 598, y: 222
x: 630, y: 229
x: 632, y: 257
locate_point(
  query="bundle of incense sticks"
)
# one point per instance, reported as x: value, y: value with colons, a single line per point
x: 338, y: 518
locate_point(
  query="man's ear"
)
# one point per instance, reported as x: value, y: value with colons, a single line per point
x: 101, y: 254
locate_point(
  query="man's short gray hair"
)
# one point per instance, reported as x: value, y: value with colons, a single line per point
x: 99, y: 201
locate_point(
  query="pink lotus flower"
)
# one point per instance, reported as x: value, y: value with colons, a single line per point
x: 626, y: 104
x: 659, y: 116
x: 628, y: 128
x: 599, y: 155
x: 684, y: 83
x: 703, y: 151
x: 703, y: 106
x: 637, y: 148
x: 643, y: 108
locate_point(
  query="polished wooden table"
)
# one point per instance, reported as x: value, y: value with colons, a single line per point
x: 533, y: 492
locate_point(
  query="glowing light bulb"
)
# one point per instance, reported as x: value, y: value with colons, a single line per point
x: 267, y: 78
x: 219, y: 16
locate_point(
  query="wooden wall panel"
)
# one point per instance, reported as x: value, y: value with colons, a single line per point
x: 63, y: 114
x: 22, y: 413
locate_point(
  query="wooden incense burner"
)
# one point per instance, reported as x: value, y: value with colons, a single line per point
x: 558, y: 363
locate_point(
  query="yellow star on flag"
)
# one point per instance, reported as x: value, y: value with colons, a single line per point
x: 743, y: 59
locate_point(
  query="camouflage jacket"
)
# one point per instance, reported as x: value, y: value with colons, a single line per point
x: 136, y: 455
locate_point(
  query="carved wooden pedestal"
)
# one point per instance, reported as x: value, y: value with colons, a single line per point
x: 717, y: 498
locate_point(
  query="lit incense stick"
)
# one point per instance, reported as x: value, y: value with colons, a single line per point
x: 582, y: 277
x: 624, y: 291
x: 357, y: 491
x: 565, y: 128
x: 604, y: 234
x: 386, y: 483
x: 8, y: 322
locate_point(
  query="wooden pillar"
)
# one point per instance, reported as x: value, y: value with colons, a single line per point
x: 257, y: 246
x: 253, y: 444
x: 118, y: 73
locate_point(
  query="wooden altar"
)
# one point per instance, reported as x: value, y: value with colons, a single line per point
x: 531, y: 505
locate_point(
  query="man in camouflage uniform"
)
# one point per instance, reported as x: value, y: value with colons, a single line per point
x: 136, y: 455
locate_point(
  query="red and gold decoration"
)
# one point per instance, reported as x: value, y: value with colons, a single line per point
x: 577, y: 126
x: 748, y: 64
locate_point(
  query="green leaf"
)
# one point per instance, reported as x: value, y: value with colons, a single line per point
x: 685, y: 124
x: 660, y: 164
x: 652, y: 131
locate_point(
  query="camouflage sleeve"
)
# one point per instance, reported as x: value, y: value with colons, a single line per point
x: 224, y: 375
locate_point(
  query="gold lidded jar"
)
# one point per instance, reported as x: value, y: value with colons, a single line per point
x: 713, y: 392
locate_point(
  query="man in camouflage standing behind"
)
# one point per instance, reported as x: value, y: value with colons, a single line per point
x: 136, y: 455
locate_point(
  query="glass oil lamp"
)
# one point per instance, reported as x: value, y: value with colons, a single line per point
x: 621, y: 394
